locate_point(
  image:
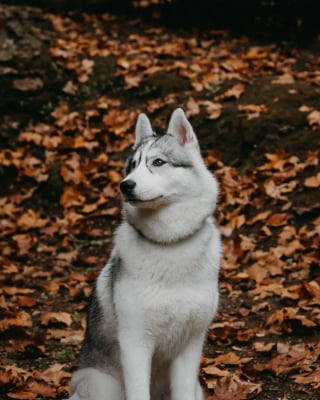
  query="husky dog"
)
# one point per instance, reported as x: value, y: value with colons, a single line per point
x: 155, y: 298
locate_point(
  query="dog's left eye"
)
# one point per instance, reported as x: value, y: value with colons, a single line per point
x: 158, y: 162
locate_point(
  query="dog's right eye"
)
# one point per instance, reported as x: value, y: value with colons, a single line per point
x: 158, y: 162
x: 133, y: 164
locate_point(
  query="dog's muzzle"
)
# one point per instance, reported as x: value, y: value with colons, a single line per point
x: 127, y: 187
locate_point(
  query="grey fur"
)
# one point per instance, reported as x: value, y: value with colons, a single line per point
x: 169, y: 150
x: 100, y: 349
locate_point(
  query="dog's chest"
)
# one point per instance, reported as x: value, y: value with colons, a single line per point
x: 170, y: 291
x: 177, y: 312
x: 169, y: 312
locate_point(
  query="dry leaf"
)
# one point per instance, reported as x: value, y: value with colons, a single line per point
x: 285, y: 79
x: 56, y: 317
x: 314, y: 118
x: 312, y: 181
x: 232, y: 388
x: 236, y: 91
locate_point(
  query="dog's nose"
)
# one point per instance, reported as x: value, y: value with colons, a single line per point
x: 127, y: 186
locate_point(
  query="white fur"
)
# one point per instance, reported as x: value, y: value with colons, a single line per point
x: 143, y: 128
x: 166, y: 293
x: 181, y: 127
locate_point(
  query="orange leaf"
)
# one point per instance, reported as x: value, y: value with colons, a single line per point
x: 236, y: 91
x: 26, y: 301
x: 314, y: 118
x: 56, y: 317
x: 24, y: 242
x: 71, y: 196
x: 278, y: 219
x: 22, y: 320
x: 285, y: 79
x: 114, y: 176
x: 32, y: 219
x: 232, y: 388
x: 259, y: 217
x: 312, y: 181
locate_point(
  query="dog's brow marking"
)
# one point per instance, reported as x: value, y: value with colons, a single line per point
x: 148, y: 166
x: 136, y: 150
x: 140, y: 158
x: 182, y: 165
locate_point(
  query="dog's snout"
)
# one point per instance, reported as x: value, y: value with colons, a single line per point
x: 127, y: 186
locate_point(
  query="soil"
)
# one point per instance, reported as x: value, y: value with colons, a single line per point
x: 32, y: 83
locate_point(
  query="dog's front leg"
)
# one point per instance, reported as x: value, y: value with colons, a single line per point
x: 184, y: 371
x: 136, y: 356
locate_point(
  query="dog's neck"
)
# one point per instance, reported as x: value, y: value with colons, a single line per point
x: 170, y: 224
x: 172, y: 241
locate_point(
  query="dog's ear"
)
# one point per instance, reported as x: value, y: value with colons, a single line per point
x: 180, y: 127
x: 143, y: 128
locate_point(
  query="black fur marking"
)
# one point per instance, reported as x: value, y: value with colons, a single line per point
x: 180, y: 165
x: 128, y: 167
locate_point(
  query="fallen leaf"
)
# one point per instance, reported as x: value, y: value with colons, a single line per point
x: 232, y: 388
x: 259, y: 217
x: 314, y: 118
x: 32, y: 219
x: 71, y: 196
x: 285, y: 79
x: 28, y: 84
x: 236, y: 91
x: 21, y: 320
x: 252, y: 111
x: 312, y: 181
x: 56, y: 317
x: 277, y: 219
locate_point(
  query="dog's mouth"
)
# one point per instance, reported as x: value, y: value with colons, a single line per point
x: 136, y: 200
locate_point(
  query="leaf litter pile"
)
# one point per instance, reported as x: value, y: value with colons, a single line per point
x: 256, y: 111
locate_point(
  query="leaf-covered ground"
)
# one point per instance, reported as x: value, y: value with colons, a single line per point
x: 73, y: 85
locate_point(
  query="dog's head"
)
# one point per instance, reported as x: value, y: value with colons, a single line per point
x: 163, y: 169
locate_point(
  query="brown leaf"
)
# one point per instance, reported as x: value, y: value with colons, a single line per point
x: 257, y: 272
x: 231, y: 358
x: 256, y: 53
x: 27, y: 84
x: 263, y: 347
x: 71, y: 196
x: 253, y: 110
x: 24, y: 241
x: 22, y: 320
x: 312, y: 181
x: 232, y: 388
x: 25, y: 301
x: 114, y: 176
x: 313, y: 288
x: 285, y: 79
x: 31, y: 137
x: 213, y: 110
x: 56, y: 317
x: 277, y: 219
x: 314, y: 118
x: 13, y: 290
x: 259, y: 217
x: 33, y: 390
x: 308, y: 378
x: 213, y: 370
x: 32, y: 219
x: 236, y: 91
x: 55, y: 374
x: 291, y: 358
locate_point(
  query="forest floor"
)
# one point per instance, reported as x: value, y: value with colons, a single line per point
x: 72, y: 86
